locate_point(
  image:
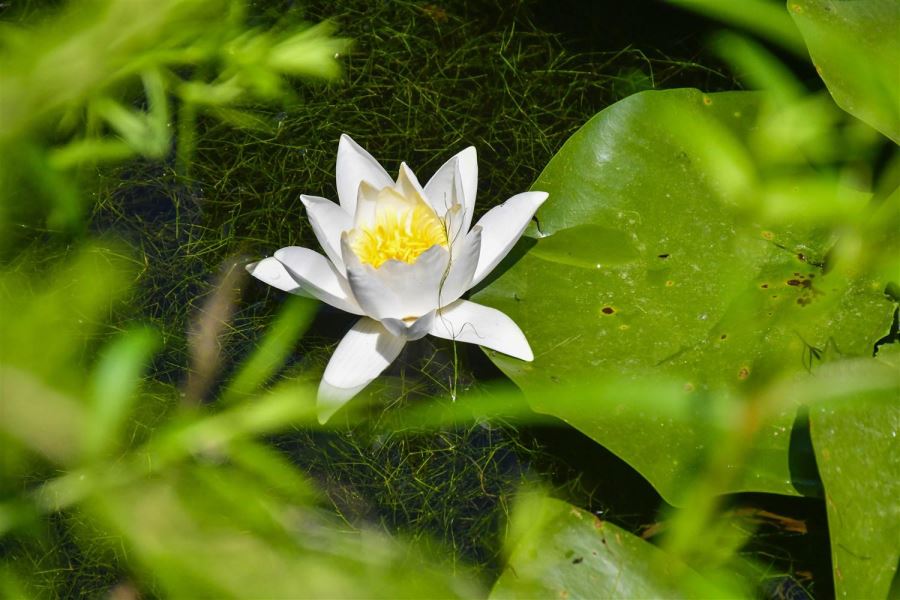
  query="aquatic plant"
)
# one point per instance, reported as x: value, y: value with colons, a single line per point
x: 401, y: 255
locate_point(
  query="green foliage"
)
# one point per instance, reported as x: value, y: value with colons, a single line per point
x: 559, y: 551
x: 856, y: 50
x: 113, y: 388
x: 155, y: 443
x: 201, y: 507
x: 766, y: 18
x: 853, y: 417
x: 68, y: 98
x: 63, y: 301
x: 663, y: 269
x: 854, y: 432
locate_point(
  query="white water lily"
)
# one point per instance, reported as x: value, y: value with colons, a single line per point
x: 401, y: 255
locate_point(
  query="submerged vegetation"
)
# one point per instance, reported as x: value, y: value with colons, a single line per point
x: 711, y: 294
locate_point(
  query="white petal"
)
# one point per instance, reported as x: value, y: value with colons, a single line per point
x: 410, y: 330
x: 328, y: 221
x: 397, y: 290
x: 376, y: 300
x: 502, y: 227
x: 463, y: 262
x: 408, y: 184
x: 366, y: 351
x: 466, y: 321
x: 366, y: 205
x: 438, y: 190
x: 353, y: 166
x: 271, y: 271
x: 455, y: 217
x: 417, y: 285
x: 319, y: 277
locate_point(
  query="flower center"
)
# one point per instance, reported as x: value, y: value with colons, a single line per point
x: 398, y: 233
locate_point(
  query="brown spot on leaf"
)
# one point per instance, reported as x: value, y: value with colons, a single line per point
x: 607, y: 310
x: 744, y: 373
x: 803, y: 283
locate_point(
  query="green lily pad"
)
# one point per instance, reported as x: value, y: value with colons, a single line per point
x: 660, y: 274
x: 856, y: 49
x: 856, y: 436
x: 566, y: 552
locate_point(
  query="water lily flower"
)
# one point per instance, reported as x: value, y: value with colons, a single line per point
x: 401, y: 255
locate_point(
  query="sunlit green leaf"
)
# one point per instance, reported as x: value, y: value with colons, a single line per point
x: 310, y: 53
x: 89, y: 150
x: 559, y: 551
x: 856, y: 49
x: 664, y: 272
x: 856, y: 435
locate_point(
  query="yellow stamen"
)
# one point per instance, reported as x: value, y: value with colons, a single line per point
x: 398, y: 233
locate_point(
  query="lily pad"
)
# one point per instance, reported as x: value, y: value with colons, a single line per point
x: 856, y: 436
x: 666, y: 276
x: 566, y: 552
x: 856, y: 49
